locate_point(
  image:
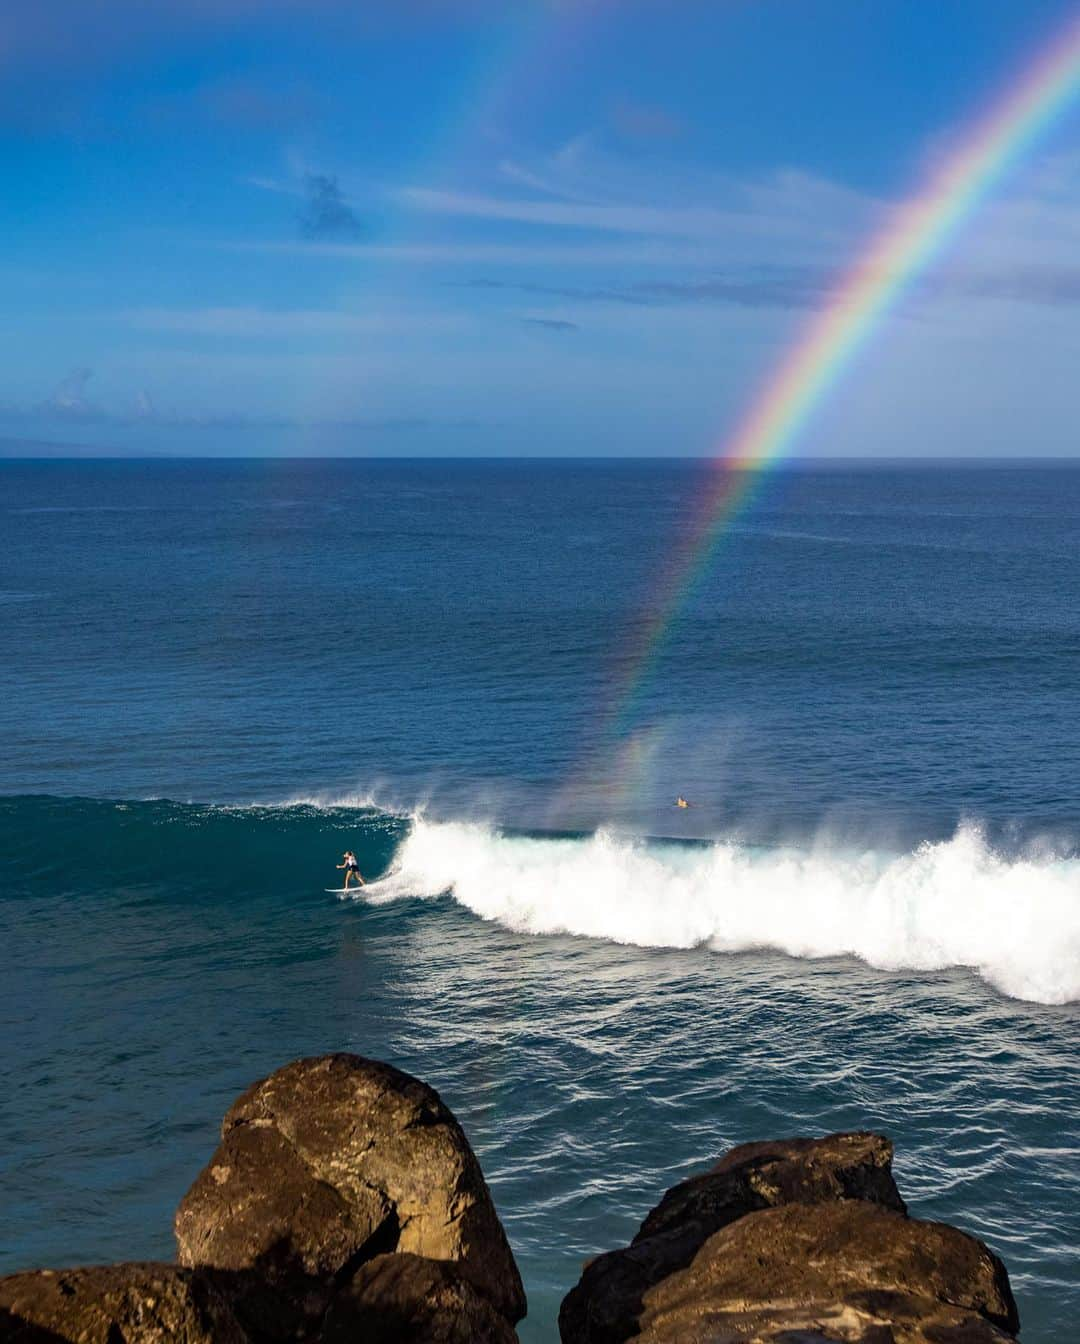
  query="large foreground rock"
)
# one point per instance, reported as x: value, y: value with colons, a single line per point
x: 848, y: 1266
x: 115, y: 1304
x: 799, y: 1240
x: 605, y: 1306
x: 331, y: 1162
x: 343, y: 1206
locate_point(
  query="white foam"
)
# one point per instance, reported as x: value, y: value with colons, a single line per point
x: 1016, y: 921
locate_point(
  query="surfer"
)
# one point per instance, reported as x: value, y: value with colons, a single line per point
x: 681, y: 801
x: 352, y: 868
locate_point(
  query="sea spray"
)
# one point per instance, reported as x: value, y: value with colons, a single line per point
x: 1015, y: 920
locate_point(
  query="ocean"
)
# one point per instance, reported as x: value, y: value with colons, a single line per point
x: 217, y: 676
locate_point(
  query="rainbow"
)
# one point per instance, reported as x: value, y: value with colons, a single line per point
x: 915, y: 233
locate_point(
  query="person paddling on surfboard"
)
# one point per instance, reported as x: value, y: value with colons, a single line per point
x: 352, y: 869
x: 681, y: 801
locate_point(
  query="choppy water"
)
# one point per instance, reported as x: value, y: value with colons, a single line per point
x: 869, y: 919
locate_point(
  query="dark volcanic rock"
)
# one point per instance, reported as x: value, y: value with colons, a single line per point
x: 844, y: 1257
x: 258, y: 1205
x: 605, y: 1305
x: 766, y: 1175
x: 331, y: 1161
x: 407, y: 1299
x: 115, y: 1304
x: 798, y: 1240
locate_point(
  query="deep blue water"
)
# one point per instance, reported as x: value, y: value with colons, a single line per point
x: 215, y: 676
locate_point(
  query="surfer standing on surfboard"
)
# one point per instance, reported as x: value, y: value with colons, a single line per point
x: 352, y: 868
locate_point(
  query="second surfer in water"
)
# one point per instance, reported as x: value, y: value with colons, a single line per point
x: 352, y: 869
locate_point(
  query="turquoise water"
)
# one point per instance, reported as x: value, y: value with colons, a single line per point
x: 217, y: 676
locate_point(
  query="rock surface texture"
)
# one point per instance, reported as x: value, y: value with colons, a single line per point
x: 396, y: 1297
x: 797, y: 1241
x: 148, y: 1303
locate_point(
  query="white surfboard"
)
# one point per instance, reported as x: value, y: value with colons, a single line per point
x: 343, y: 891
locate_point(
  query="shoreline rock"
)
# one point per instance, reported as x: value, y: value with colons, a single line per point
x: 331, y: 1162
x: 802, y: 1239
x: 104, y: 1304
x: 364, y: 1160
x: 344, y: 1204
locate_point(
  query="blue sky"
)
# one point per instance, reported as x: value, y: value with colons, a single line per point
x: 461, y: 226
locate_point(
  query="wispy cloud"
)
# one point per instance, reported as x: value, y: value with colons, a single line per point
x: 582, y: 294
x: 492, y: 253
x: 69, y: 400
x: 619, y: 191
x: 326, y: 213
x: 756, y: 287
x: 551, y: 323
x: 579, y: 190
x: 285, y: 322
x: 640, y: 219
x: 1054, y: 286
x: 809, y: 287
x: 522, y: 176
x: 70, y: 397
x: 781, y: 287
x: 69, y: 405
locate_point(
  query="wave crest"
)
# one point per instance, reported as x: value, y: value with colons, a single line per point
x: 1016, y: 921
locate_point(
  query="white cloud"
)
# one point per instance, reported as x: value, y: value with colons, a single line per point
x: 494, y: 253
x: 652, y: 221
x: 70, y: 397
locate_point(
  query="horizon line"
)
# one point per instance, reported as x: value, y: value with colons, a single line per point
x: 91, y: 456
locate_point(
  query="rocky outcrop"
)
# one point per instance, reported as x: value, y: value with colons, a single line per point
x: 801, y: 1240
x: 148, y: 1303
x: 345, y: 1206
x: 850, y: 1262
x: 344, y: 1203
x: 331, y: 1161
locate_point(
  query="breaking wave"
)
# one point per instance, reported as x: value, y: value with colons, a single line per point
x: 1014, y: 920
